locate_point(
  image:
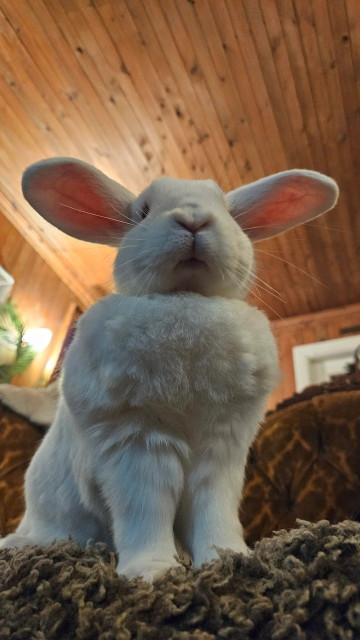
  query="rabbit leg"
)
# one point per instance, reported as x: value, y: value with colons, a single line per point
x: 42, y: 530
x: 208, y: 514
x: 54, y: 507
x: 143, y: 483
x: 56, y: 514
x: 45, y: 521
x: 15, y: 540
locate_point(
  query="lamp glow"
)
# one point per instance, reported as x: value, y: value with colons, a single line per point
x: 38, y: 339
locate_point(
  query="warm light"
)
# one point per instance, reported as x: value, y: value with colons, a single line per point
x: 49, y: 368
x: 38, y: 339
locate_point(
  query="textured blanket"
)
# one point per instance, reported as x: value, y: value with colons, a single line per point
x: 297, y: 585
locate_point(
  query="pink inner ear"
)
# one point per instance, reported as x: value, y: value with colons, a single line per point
x: 75, y: 201
x: 285, y: 206
x: 81, y: 205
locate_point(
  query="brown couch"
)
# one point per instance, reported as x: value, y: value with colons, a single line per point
x: 18, y: 441
x: 304, y: 464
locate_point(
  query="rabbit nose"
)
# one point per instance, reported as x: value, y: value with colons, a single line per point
x: 193, y: 225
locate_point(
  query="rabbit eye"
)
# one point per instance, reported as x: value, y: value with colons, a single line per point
x: 144, y: 211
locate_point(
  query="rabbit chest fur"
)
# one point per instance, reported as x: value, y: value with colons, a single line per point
x: 193, y: 359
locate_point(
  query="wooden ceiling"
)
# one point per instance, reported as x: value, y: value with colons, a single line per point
x: 226, y: 89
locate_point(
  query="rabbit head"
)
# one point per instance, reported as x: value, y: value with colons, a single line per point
x: 177, y: 235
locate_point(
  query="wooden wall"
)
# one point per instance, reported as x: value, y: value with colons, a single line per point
x: 290, y: 332
x: 41, y: 297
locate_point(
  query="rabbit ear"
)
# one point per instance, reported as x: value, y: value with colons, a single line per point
x: 78, y: 199
x: 272, y: 205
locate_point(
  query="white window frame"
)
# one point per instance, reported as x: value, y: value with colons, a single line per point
x: 305, y: 356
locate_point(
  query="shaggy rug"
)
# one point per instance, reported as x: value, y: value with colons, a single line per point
x: 297, y: 585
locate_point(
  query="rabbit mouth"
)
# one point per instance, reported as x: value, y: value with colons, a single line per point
x: 192, y: 259
x: 192, y: 263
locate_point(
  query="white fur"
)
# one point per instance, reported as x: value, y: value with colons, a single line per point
x: 163, y: 390
x: 38, y: 404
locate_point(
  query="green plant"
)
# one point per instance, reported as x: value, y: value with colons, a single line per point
x: 12, y: 334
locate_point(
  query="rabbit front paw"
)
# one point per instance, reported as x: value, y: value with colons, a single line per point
x: 15, y: 540
x: 210, y: 553
x: 149, y: 567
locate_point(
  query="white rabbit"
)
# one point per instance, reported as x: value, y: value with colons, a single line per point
x: 165, y: 382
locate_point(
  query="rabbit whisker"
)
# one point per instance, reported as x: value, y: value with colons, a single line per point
x: 324, y: 226
x: 256, y: 296
x: 256, y: 284
x: 239, y: 215
x: 131, y: 223
x: 295, y: 267
x: 123, y: 215
x: 139, y: 255
x: 266, y: 304
x: 89, y: 213
x: 271, y: 293
x: 269, y: 288
x: 131, y: 282
x: 222, y: 270
x: 149, y: 283
x: 130, y: 246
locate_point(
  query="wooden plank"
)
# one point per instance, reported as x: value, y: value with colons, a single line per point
x: 342, y: 45
x: 279, y: 88
x: 173, y: 77
x: 353, y: 21
x: 200, y: 118
x: 143, y: 79
x: 253, y: 91
x: 178, y: 115
x: 292, y: 39
x: 244, y: 120
x: 17, y: 128
x: 233, y: 123
x: 228, y: 175
x: 73, y: 95
x: 331, y: 46
x: 29, y: 89
x: 103, y: 73
x: 318, y: 47
x: 348, y: 313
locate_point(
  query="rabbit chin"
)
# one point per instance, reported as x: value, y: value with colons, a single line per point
x: 201, y: 279
x: 188, y: 276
